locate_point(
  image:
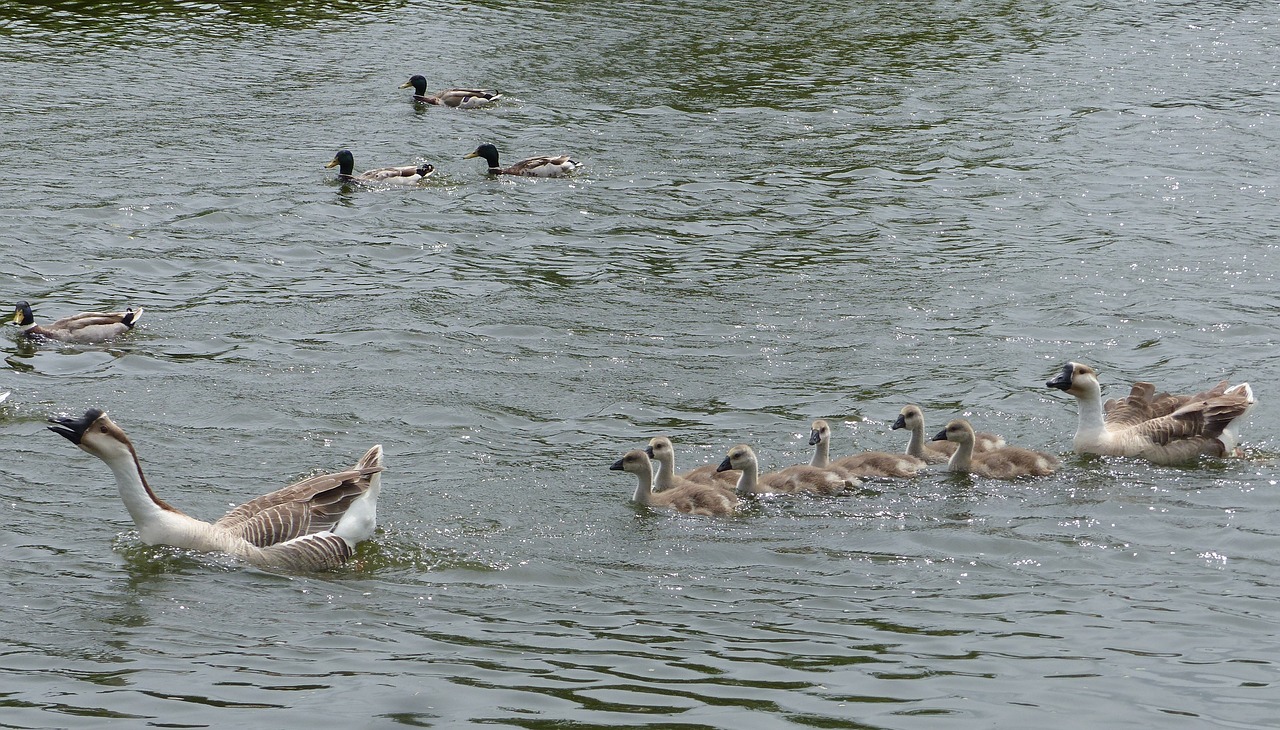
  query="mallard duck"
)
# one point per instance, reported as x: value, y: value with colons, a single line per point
x: 687, y: 497
x: 1006, y: 462
x: 791, y: 480
x: 937, y: 452
x: 864, y: 464
x: 311, y: 525
x: 346, y: 163
x: 1159, y: 427
x: 661, y: 451
x: 458, y: 98
x: 86, y: 327
x: 531, y: 167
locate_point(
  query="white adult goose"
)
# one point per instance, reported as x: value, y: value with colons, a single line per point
x: 791, y: 480
x: 1159, y: 427
x: 1006, y: 462
x: 83, y: 328
x: 4, y: 396
x: 661, y: 450
x: 311, y: 525
x: 865, y: 464
x: 688, y: 497
x: 937, y: 452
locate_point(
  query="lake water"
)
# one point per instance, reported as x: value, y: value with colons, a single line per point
x: 786, y: 211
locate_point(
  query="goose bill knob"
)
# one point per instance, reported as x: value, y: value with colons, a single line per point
x: 73, y: 429
x: 1063, y: 380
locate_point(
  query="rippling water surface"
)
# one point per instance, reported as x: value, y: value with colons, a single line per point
x: 787, y: 211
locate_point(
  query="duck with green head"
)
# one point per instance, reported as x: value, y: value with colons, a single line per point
x: 86, y: 327
x: 545, y: 166
x: 456, y: 98
x: 407, y: 174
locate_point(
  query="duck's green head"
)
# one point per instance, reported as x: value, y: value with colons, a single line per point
x: 22, y: 315
x: 488, y: 152
x: 344, y: 161
x: 419, y: 84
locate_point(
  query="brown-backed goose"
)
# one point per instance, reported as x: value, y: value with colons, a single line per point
x: 311, y: 525
x: 1158, y: 427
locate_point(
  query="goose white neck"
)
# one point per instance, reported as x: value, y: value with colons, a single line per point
x: 143, y: 505
x: 644, y: 486
x: 666, y: 471
x: 821, y: 454
x: 915, y: 446
x: 748, y: 483
x: 1090, y: 424
x: 962, y: 459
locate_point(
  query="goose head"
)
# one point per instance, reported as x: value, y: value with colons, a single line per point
x: 634, y: 461
x: 740, y: 457
x: 1077, y: 379
x: 95, y: 433
x: 660, y: 448
x: 419, y: 84
x: 819, y: 431
x: 909, y: 417
x: 957, y: 430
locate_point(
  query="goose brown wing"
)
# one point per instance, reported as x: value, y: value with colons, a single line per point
x: 324, y: 551
x: 1144, y: 404
x: 1198, y: 424
x: 304, y: 508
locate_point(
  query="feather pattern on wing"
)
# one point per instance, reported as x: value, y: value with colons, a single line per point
x: 309, y: 506
x: 1159, y: 427
x: 320, y: 551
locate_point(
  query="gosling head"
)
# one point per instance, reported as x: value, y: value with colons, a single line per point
x: 819, y: 431
x: 909, y: 417
x: 634, y: 461
x: 660, y: 448
x: 957, y: 430
x: 740, y: 457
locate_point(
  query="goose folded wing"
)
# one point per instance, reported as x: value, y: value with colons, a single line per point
x: 1194, y: 428
x: 1144, y: 404
x: 323, y: 551
x: 304, y: 508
